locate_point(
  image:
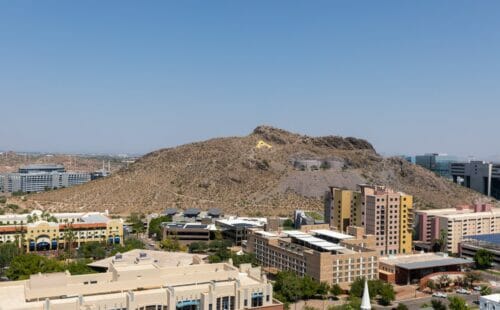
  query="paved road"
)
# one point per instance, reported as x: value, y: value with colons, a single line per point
x: 150, y: 243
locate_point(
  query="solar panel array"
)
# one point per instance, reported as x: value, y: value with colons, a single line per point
x: 313, y: 241
x: 491, y: 238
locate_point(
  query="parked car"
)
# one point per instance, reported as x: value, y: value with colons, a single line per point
x: 477, y: 288
x: 440, y: 295
x: 463, y: 291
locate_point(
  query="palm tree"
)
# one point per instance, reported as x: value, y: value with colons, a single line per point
x: 471, y: 277
x: 485, y: 290
x: 432, y: 285
x: 443, y: 281
x: 69, y: 238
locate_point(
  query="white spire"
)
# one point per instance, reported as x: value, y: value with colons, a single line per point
x: 365, y: 301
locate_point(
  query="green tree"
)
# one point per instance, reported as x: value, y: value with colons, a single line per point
x: 69, y: 238
x: 471, y: 277
x: 23, y: 266
x: 136, y: 222
x: 309, y: 287
x: 8, y: 252
x: 154, y: 229
x: 432, y: 285
x: 354, y: 303
x: 387, y: 294
x: 3, y: 199
x: 483, y: 258
x: 485, y: 290
x: 79, y: 267
x: 198, y: 247
x: 245, y: 258
x: 402, y: 307
x: 335, y: 290
x: 443, y: 281
x: 374, y: 287
x: 128, y: 244
x: 172, y: 245
x: 288, y: 286
x: 457, y: 303
x: 94, y: 250
x: 438, y: 305
x: 440, y: 243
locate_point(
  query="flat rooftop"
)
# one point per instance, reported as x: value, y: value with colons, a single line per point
x: 246, y: 221
x: 493, y: 298
x: 332, y: 234
x: 490, y: 238
x: 421, y: 261
x: 143, y: 280
x: 161, y: 258
x: 454, y: 213
x: 311, y: 241
x: 42, y: 166
x: 458, y: 216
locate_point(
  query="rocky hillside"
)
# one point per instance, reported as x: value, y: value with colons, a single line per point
x: 270, y: 171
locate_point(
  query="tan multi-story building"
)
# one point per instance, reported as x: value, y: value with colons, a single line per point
x: 381, y: 211
x: 40, y: 231
x: 457, y: 224
x: 144, y: 285
x: 325, y: 255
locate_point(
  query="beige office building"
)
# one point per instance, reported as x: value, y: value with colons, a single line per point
x: 383, y: 212
x: 42, y: 231
x: 144, y: 285
x: 325, y: 255
x: 457, y: 223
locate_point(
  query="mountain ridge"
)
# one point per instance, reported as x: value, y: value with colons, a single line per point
x: 269, y: 172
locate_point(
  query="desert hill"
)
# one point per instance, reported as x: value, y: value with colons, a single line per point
x: 270, y: 171
x: 10, y: 161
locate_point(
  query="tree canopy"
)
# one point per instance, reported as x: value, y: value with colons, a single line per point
x: 290, y: 287
x: 383, y: 290
x: 457, y: 303
x: 7, y: 253
x: 438, y: 305
x: 483, y: 258
x: 154, y: 228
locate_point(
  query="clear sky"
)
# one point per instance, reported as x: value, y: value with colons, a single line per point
x: 134, y: 76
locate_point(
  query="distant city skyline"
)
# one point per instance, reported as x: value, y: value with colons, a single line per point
x: 119, y: 77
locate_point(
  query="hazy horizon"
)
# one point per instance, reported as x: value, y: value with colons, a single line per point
x: 117, y: 77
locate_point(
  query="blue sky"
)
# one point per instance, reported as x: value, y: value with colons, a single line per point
x: 130, y: 76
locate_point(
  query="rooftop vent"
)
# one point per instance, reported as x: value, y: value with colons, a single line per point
x: 118, y: 256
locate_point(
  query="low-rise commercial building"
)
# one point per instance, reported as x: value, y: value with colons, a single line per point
x: 409, y: 269
x: 456, y: 223
x: 144, y: 284
x: 160, y: 258
x: 39, y: 231
x: 188, y: 233
x: 236, y: 228
x: 311, y: 254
